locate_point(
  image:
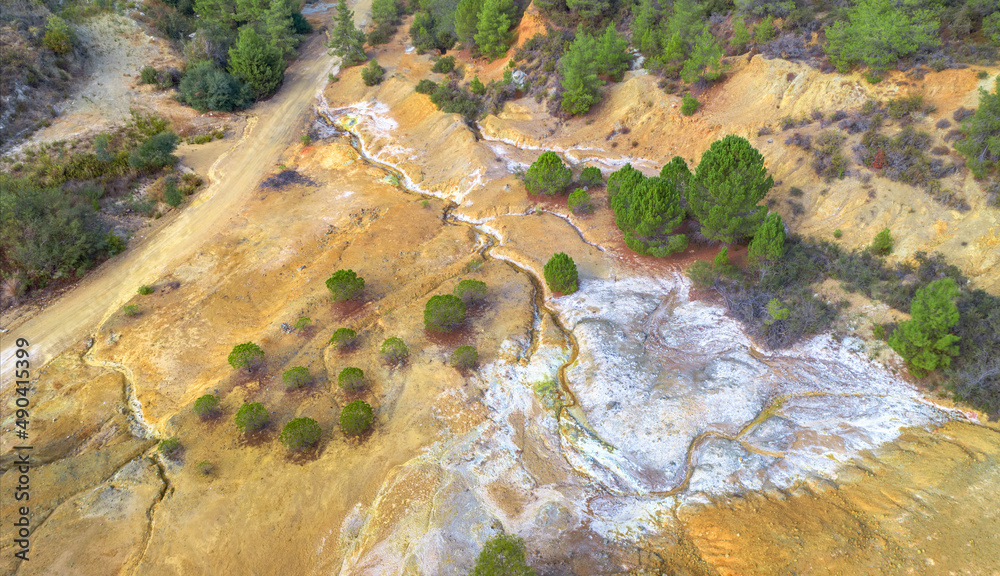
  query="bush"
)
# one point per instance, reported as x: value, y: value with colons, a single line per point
x: 689, y: 105
x: 444, y: 64
x: 502, y: 555
x: 591, y: 176
x: 470, y: 291
x: 205, y: 468
x: 883, y: 243
x: 145, y: 290
x: 453, y: 99
x: 769, y: 241
x: 206, y: 87
x: 247, y: 355
x: 59, y: 36
x: 702, y: 274
x: 251, y: 417
x: 170, y: 448
x: 155, y: 153
x: 344, y: 338
x: 300, y: 433
x: 426, y: 86
x: 547, y: 175
x: 925, y: 341
x: 351, y: 379
x: 172, y: 194
x: 131, y: 310
x: 444, y: 313
x: 344, y: 285
x: 296, y: 377
x: 465, y: 357
x: 580, y: 202
x: 560, y: 274
x: 356, y: 418
x: 206, y: 406
x: 148, y: 75
x: 372, y: 74
x: 394, y: 350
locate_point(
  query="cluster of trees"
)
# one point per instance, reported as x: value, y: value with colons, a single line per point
x: 587, y: 63
x: 236, y: 50
x: 720, y: 201
x: 677, y: 41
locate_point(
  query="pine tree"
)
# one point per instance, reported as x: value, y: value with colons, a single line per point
x: 648, y: 211
x: 477, y: 87
x: 705, y: 59
x: 561, y: 274
x: 278, y: 26
x: 925, y: 341
x: 467, y: 21
x: 644, y: 26
x: 578, y: 68
x: 686, y: 20
x: 385, y: 11
x: 494, y: 35
x: 728, y: 185
x: 769, y: 241
x: 547, y: 175
x: 346, y: 41
x: 981, y: 145
x: 672, y: 57
x: 257, y: 62
x: 612, y: 54
x: 623, y: 178
x: 879, y: 32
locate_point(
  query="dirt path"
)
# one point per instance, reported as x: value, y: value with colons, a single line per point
x: 235, y: 175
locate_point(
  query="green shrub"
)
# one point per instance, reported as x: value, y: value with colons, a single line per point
x: 300, y: 434
x: 394, y: 350
x: 205, y: 468
x: 883, y: 243
x: 344, y: 338
x: 580, y: 202
x: 426, y: 86
x: 838, y: 233
x: 206, y: 87
x: 172, y: 194
x: 702, y: 274
x: 560, y: 274
x: 247, y: 355
x: 444, y: 65
x: 344, y: 285
x: 372, y: 74
x: 689, y: 105
x: 356, y: 418
x: 470, y: 291
x: 465, y: 357
x: 155, y: 152
x: 547, y: 175
x: 502, y: 555
x: 206, y: 406
x: 170, y: 448
x: 59, y: 36
x: 926, y: 341
x: 591, y: 177
x: 453, y: 99
x: 131, y: 309
x: 302, y: 323
x: 381, y: 34
x: 251, y: 417
x: 351, y: 379
x: 148, y: 75
x: 444, y: 313
x: 764, y: 32
x: 296, y: 377
x: 145, y: 290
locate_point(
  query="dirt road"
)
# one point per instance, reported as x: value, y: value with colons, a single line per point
x: 234, y: 177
